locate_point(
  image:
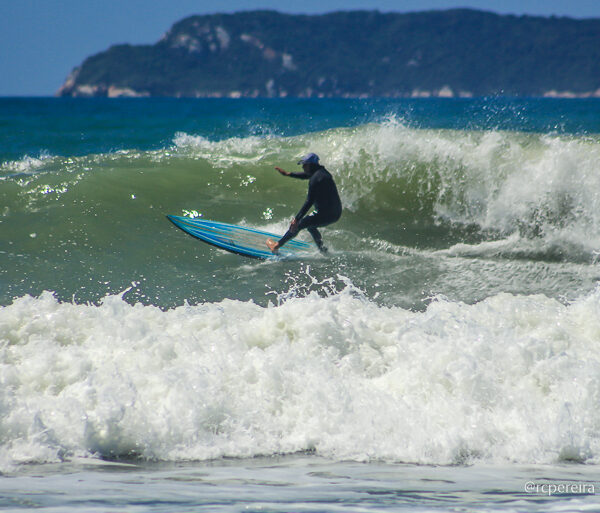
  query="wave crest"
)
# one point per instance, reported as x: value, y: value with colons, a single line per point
x: 498, y: 183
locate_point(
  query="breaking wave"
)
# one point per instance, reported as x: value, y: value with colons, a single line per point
x: 512, y: 378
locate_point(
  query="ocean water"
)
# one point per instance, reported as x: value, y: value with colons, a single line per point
x: 444, y: 356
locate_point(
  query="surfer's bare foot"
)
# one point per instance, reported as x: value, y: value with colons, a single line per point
x: 272, y: 245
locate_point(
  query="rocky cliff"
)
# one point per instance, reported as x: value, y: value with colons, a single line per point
x: 358, y: 53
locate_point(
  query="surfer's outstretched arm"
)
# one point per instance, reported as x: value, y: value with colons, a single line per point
x: 301, y: 176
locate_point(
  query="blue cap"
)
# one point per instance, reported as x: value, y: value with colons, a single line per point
x: 310, y: 158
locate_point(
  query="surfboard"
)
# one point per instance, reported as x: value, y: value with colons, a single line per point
x: 239, y: 239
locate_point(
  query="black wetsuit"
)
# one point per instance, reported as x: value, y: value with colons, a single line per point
x: 323, y: 194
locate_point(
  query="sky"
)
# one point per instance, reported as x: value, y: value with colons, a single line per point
x: 41, y: 41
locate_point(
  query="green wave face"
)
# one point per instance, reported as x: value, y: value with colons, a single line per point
x: 93, y: 224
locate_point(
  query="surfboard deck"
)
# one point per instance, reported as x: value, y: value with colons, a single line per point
x: 240, y: 240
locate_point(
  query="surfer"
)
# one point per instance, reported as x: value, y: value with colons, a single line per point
x: 322, y: 193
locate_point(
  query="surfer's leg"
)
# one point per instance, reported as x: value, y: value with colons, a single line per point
x: 306, y: 222
x: 316, y: 235
x: 311, y: 223
x: 288, y: 235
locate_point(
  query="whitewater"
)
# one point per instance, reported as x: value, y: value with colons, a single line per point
x: 507, y: 379
x: 445, y: 353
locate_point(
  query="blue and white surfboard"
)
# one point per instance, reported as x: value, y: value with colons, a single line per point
x: 240, y: 240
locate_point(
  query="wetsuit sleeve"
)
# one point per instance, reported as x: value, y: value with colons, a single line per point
x: 301, y: 176
x: 310, y: 199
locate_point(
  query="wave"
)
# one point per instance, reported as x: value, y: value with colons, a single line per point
x: 512, y: 379
x: 488, y: 185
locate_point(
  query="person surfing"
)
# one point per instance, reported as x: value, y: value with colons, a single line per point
x: 322, y: 194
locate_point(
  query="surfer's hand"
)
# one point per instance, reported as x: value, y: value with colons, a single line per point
x: 282, y: 171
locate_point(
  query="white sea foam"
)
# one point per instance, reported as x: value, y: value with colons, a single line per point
x: 484, y: 177
x: 512, y: 378
x: 517, y: 247
x: 25, y: 165
x: 223, y: 154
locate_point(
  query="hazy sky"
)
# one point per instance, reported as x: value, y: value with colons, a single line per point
x: 41, y: 41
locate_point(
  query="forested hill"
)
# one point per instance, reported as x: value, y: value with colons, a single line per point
x: 458, y: 52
